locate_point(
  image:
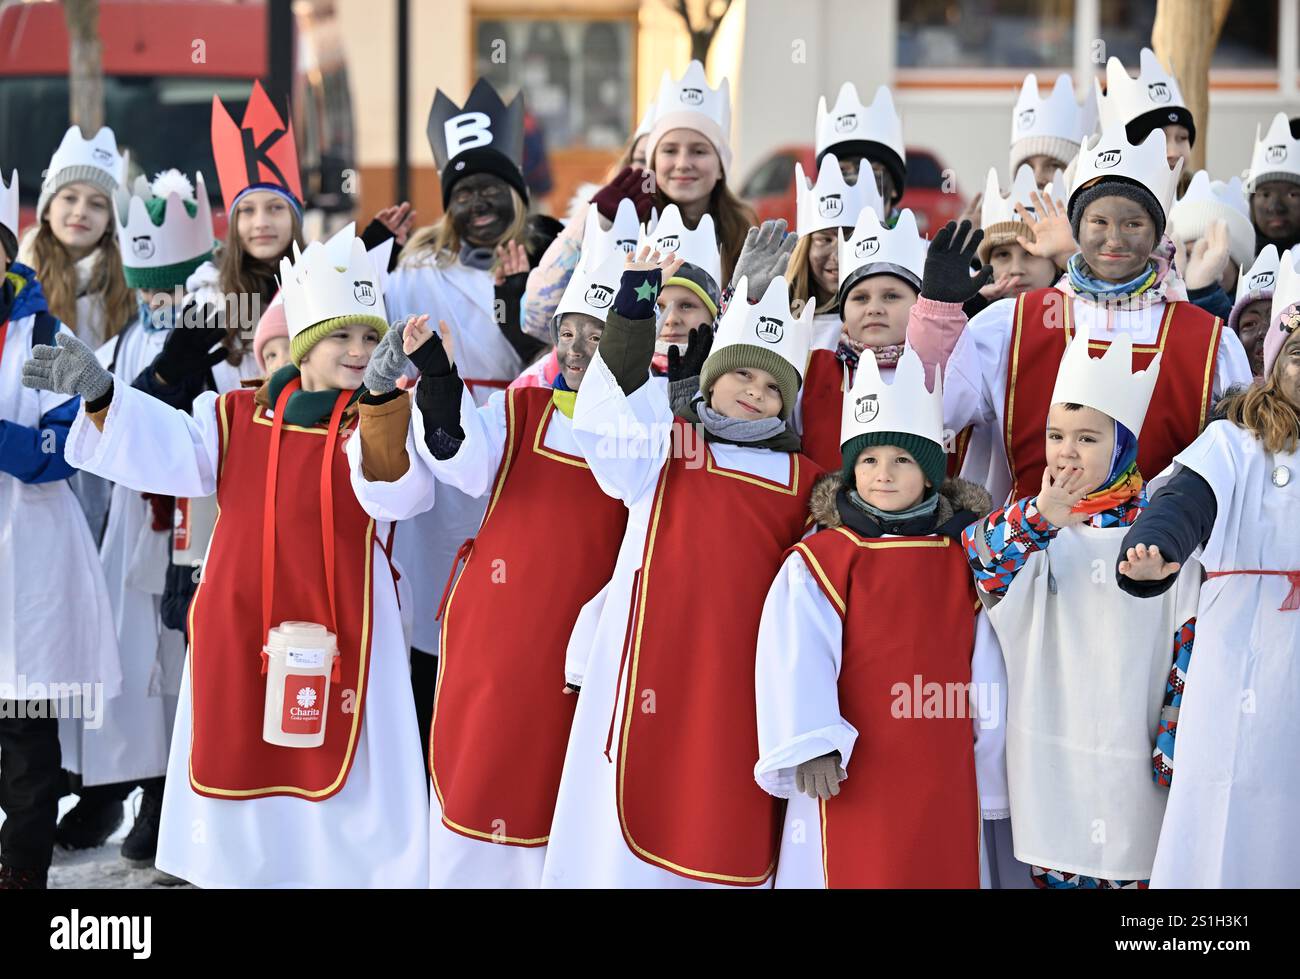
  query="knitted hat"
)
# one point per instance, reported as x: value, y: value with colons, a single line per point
x: 734, y: 356
x: 164, y: 230
x: 482, y: 136
x: 1276, y: 337
x: 1116, y: 187
x: 1057, y: 147
x: 272, y: 326
x: 1256, y: 283
x: 692, y: 103
x: 694, y: 278
x: 929, y: 455
x: 1209, y: 200
x: 92, y: 161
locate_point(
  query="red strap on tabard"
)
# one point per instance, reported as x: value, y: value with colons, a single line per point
x: 461, y: 555
x: 326, y: 508
x: 1289, y: 604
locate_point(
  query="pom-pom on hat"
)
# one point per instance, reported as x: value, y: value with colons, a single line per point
x: 164, y: 230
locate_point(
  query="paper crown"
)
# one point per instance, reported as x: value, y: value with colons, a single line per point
x: 903, y: 405
x: 258, y: 152
x: 850, y: 121
x: 832, y: 202
x: 333, y: 278
x: 75, y: 152
x: 647, y: 122
x: 690, y: 102
x: 9, y: 203
x: 997, y: 209
x: 767, y: 324
x: 1276, y: 151
x: 176, y: 239
x: 594, y: 282
x: 1110, y: 155
x: 1107, y: 383
x: 484, y: 121
x: 698, y: 246
x: 1128, y: 98
x: 1261, y: 278
x: 1209, y: 200
x: 1286, y: 288
x: 872, y: 244
x: 1057, y: 116
x: 623, y: 234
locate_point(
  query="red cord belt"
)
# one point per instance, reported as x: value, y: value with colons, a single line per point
x: 1292, y: 600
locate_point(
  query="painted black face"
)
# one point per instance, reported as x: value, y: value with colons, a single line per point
x: 481, y: 209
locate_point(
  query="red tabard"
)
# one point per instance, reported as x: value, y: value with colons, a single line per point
x: 228, y: 758
x: 1179, y: 404
x: 823, y: 407
x: 687, y: 799
x: 500, y: 719
x: 908, y: 815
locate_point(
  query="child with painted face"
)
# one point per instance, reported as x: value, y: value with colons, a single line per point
x: 827, y: 682
x: 1252, y: 310
x: 299, y: 538
x: 498, y: 757
x: 997, y: 378
x: 1231, y: 503
x: 663, y: 798
x: 1273, y: 185
x: 48, y: 550
x: 1085, y: 812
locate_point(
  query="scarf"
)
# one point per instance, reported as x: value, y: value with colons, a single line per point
x: 1124, y: 482
x: 155, y: 321
x: 766, y: 433
x: 563, y: 396
x: 304, y: 408
x: 1158, y: 282
x: 912, y: 522
x: 850, y: 351
x: 476, y: 258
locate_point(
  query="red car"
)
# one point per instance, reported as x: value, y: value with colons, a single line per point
x: 770, y: 187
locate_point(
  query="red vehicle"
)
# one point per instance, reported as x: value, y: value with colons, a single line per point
x: 163, y: 61
x: 770, y: 187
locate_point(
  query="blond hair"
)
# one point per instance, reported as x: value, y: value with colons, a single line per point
x: 1263, y: 409
x: 441, y: 241
x: 57, y: 271
x: 803, y: 284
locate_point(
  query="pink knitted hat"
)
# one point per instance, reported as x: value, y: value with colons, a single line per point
x: 1276, y: 337
x: 271, y: 325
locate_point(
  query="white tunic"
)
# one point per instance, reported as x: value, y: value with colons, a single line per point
x: 1236, y: 785
x: 800, y: 645
x: 464, y: 299
x: 1086, y: 671
x: 975, y: 379
x: 586, y: 847
x: 56, y: 625
x: 372, y: 832
x: 132, y: 741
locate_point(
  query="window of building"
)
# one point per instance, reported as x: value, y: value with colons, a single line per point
x: 939, y: 34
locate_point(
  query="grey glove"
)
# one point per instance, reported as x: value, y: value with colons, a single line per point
x: 387, y: 363
x: 69, y: 368
x: 820, y: 778
x: 765, y: 255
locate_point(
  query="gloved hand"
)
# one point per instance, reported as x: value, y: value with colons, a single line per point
x: 424, y: 347
x: 387, y: 363
x: 69, y: 368
x: 688, y: 364
x: 630, y: 182
x: 765, y: 255
x: 947, y: 276
x: 819, y: 778
x: 189, y: 350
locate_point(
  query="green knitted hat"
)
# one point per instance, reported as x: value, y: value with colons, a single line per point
x: 308, y: 338
x: 928, y: 455
x: 737, y: 355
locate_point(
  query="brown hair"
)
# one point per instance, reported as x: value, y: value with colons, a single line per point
x: 803, y: 284
x: 732, y: 219
x: 442, y: 242
x: 57, y: 271
x: 1262, y: 409
x: 241, y: 275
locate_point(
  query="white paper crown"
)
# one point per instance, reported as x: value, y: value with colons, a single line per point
x: 622, y: 234
x: 768, y: 324
x: 9, y: 203
x: 903, y: 405
x: 832, y: 202
x: 1107, y: 383
x: 851, y: 121
x: 1275, y: 152
x: 333, y: 278
x: 1058, y: 115
x: 691, y: 95
x: 1286, y: 289
x: 594, y: 282
x: 647, y: 122
x: 180, y: 238
x: 1127, y: 98
x: 100, y: 152
x: 872, y: 243
x: 1209, y: 200
x: 699, y: 246
x: 1110, y: 154
x: 1261, y: 277
x: 997, y: 209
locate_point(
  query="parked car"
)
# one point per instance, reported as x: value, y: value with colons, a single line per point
x: 770, y: 186
x: 163, y: 62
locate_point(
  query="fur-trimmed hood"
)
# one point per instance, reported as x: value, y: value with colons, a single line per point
x: 954, y: 495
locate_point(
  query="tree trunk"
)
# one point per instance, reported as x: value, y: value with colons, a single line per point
x: 1183, y: 38
x: 85, y: 64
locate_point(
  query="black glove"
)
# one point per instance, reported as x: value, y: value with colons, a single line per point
x: 189, y: 348
x: 431, y: 359
x: 682, y: 366
x: 948, y: 263
x: 509, y: 294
